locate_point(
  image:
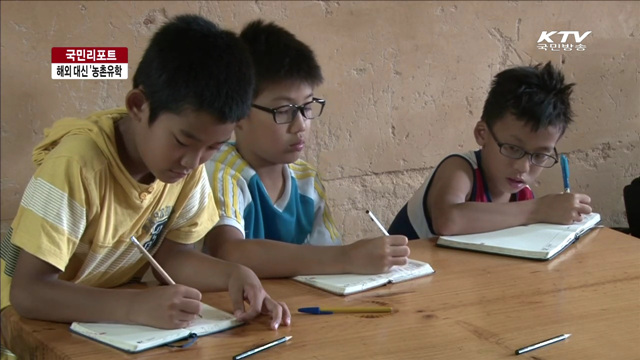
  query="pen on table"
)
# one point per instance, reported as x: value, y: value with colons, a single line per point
x: 154, y: 263
x: 262, y: 347
x: 375, y: 220
x: 564, y: 164
x: 542, y: 343
x: 332, y: 310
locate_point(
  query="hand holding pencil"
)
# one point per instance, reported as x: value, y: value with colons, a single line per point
x: 563, y: 208
x: 378, y: 255
x: 167, y: 307
x: 244, y: 285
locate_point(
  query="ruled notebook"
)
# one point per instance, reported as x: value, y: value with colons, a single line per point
x: 345, y: 284
x: 535, y: 241
x: 136, y: 338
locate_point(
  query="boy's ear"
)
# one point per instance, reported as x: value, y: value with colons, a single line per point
x: 137, y: 105
x: 481, y: 132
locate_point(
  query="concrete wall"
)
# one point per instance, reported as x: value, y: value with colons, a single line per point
x: 405, y: 82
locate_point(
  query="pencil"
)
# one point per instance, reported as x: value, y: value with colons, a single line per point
x: 553, y: 340
x: 375, y: 220
x: 153, y: 262
x: 262, y: 347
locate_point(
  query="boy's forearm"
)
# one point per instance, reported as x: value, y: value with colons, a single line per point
x: 476, y: 217
x: 63, y: 301
x: 198, y: 270
x: 274, y: 259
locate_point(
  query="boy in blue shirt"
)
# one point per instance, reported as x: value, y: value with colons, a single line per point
x: 526, y: 112
x: 273, y: 212
x: 136, y: 172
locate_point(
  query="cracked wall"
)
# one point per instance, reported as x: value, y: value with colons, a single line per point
x: 405, y: 83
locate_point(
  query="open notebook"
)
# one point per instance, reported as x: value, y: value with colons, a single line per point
x: 136, y: 338
x: 535, y: 241
x: 345, y: 284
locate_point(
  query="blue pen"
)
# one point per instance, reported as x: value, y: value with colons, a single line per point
x: 564, y: 163
x: 351, y: 309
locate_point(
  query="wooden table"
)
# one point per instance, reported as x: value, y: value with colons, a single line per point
x: 476, y: 306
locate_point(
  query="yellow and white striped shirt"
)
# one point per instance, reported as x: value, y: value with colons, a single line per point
x: 82, y: 206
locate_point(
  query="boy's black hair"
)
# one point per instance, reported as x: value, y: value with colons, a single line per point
x: 536, y: 95
x: 279, y: 56
x: 192, y: 64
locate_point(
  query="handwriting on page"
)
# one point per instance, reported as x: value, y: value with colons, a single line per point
x: 552, y: 242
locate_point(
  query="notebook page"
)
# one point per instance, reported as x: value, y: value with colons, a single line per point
x: 537, y: 240
x: 344, y: 283
x: 128, y: 337
x: 567, y: 233
x: 134, y: 338
x: 412, y: 270
x: 213, y: 320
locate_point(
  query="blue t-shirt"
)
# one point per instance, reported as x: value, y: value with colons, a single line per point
x: 300, y: 216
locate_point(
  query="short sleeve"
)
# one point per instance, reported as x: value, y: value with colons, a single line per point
x: 195, y: 211
x: 230, y: 192
x: 52, y: 216
x: 324, y: 231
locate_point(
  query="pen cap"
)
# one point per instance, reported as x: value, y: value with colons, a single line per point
x: 314, y: 311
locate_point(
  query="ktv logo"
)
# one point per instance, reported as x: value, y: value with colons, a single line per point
x: 546, y: 42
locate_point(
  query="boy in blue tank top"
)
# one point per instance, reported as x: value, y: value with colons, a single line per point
x: 526, y: 112
x: 274, y: 216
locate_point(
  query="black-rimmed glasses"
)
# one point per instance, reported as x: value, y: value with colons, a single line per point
x: 516, y: 152
x: 287, y: 113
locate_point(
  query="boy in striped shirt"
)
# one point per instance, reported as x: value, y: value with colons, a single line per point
x: 136, y: 171
x: 274, y: 216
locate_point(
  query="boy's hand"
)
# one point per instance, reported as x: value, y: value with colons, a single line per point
x: 244, y: 285
x: 166, y: 307
x: 562, y: 208
x: 375, y: 256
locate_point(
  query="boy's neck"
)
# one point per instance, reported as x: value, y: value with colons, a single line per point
x: 273, y: 181
x: 497, y: 196
x: 500, y: 198
x: 128, y: 154
x: 270, y: 174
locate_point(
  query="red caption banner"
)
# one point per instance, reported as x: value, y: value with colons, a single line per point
x: 97, y: 63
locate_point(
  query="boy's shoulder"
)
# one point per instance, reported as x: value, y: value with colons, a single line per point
x: 226, y: 154
x: 228, y: 163
x: 301, y: 169
x: 89, y: 142
x: 80, y: 149
x: 471, y: 158
x: 229, y: 158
